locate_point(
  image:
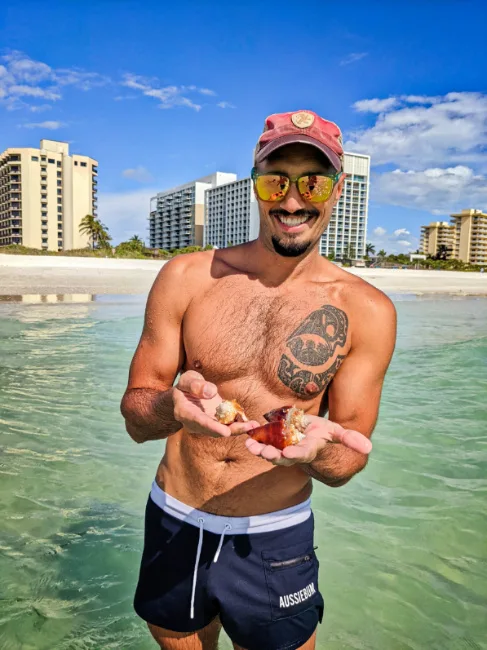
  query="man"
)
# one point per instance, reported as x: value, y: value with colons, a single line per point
x: 229, y: 530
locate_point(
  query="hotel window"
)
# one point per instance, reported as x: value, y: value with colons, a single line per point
x: 59, y: 191
x: 35, y: 158
x: 43, y: 159
x: 44, y: 232
x: 51, y: 161
x: 83, y: 164
x: 60, y: 217
x: 59, y: 208
x: 43, y: 214
x: 59, y: 199
x: 76, y: 163
x: 58, y: 163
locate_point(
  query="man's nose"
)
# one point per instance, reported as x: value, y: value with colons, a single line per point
x: 293, y: 200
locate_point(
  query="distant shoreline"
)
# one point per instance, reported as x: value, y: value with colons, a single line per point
x: 24, y: 274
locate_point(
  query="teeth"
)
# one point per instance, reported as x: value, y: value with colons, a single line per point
x: 292, y: 221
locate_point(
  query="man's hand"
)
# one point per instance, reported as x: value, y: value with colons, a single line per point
x: 318, y: 434
x: 195, y: 401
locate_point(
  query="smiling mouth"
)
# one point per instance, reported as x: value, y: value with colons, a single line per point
x: 293, y: 222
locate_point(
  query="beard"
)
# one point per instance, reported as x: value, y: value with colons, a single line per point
x: 289, y: 248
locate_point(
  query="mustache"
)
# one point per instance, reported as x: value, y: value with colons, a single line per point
x: 279, y: 212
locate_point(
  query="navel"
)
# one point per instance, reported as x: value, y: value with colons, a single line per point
x: 197, y: 364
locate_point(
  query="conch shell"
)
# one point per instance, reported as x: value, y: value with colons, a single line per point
x: 285, y: 425
x: 230, y: 411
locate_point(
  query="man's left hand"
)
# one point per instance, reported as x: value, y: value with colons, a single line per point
x: 319, y: 433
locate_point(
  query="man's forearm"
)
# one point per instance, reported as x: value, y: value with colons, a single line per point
x: 335, y: 465
x: 149, y: 414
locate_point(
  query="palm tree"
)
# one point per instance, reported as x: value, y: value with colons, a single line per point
x: 135, y: 239
x: 443, y: 252
x: 349, y: 252
x: 382, y: 253
x: 96, y: 231
x: 88, y: 226
x: 369, y: 249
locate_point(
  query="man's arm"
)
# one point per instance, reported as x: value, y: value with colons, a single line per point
x: 355, y: 392
x: 147, y: 404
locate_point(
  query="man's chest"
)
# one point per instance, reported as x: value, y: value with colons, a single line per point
x: 290, y: 344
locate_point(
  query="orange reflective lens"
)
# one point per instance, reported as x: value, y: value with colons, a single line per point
x: 271, y: 187
x: 274, y: 187
x: 315, y: 188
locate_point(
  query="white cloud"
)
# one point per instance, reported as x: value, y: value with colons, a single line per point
x: 375, y: 105
x: 417, y: 132
x: 225, y: 105
x: 40, y: 108
x: 51, y: 125
x: 393, y: 242
x: 125, y: 213
x: 440, y: 191
x: 354, y: 56
x: 139, y: 174
x: 168, y: 96
x: 23, y: 78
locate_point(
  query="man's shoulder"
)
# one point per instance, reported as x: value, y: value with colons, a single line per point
x: 360, y: 296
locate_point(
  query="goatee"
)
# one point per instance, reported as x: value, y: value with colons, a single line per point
x: 290, y: 248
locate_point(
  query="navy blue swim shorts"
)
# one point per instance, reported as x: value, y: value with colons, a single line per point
x: 258, y: 574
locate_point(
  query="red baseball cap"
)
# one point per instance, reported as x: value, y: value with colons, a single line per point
x: 301, y: 126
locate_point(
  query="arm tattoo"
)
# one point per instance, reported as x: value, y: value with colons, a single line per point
x: 314, y: 343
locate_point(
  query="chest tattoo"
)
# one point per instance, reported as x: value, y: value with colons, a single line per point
x: 312, y: 344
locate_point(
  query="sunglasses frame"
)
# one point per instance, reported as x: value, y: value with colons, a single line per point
x: 254, y: 174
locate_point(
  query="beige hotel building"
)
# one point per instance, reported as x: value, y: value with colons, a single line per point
x: 465, y: 236
x: 44, y: 194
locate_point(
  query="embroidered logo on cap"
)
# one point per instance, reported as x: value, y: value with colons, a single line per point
x: 302, y: 119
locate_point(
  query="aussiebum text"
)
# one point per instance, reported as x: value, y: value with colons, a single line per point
x: 297, y: 597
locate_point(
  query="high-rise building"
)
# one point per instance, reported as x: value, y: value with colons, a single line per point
x: 470, y: 243
x: 177, y: 216
x: 347, y: 230
x: 465, y: 237
x: 44, y: 194
x: 438, y: 233
x: 231, y: 214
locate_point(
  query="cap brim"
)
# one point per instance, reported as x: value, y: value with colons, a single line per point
x: 303, y: 139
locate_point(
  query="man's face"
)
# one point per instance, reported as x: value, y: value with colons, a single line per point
x: 291, y: 239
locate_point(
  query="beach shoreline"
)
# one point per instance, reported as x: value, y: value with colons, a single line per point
x: 26, y: 275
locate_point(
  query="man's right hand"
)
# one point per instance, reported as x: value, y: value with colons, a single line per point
x: 195, y: 401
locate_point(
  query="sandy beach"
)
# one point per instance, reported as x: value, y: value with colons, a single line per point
x: 22, y: 275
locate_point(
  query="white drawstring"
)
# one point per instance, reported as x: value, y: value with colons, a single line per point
x: 217, y: 554
x: 201, y: 521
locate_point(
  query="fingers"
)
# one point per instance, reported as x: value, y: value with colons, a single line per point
x: 351, y: 439
x: 238, y: 428
x: 194, y: 419
x: 194, y: 383
x: 268, y: 452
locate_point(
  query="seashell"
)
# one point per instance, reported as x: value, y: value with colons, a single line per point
x: 285, y: 427
x: 230, y: 411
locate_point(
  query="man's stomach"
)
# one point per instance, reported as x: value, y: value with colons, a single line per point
x: 220, y: 476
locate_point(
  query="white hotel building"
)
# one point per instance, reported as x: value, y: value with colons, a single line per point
x: 177, y: 215
x: 232, y: 216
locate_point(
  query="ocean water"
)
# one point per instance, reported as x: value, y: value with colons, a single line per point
x: 402, y: 548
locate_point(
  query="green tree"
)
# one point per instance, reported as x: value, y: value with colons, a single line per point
x: 349, y: 252
x: 331, y: 255
x: 382, y: 254
x: 443, y: 252
x: 96, y: 231
x: 369, y: 249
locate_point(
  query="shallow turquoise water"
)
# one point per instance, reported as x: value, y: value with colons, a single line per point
x: 402, y: 548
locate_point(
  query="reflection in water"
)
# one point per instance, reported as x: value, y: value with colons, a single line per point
x: 38, y: 298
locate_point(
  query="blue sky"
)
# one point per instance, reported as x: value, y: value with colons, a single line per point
x: 161, y: 93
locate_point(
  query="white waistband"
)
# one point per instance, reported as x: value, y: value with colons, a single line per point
x: 232, y: 525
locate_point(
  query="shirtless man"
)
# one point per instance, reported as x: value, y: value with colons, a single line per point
x: 229, y: 530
